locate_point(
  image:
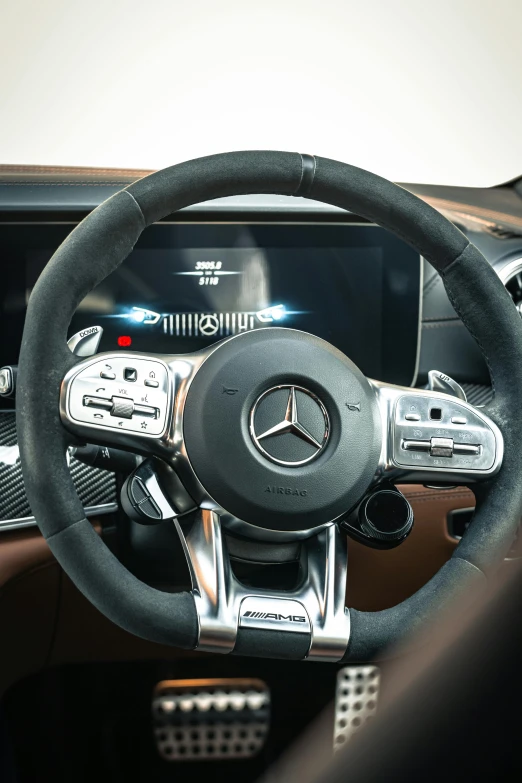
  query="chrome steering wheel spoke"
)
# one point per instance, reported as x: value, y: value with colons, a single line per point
x: 429, y: 436
x: 226, y: 607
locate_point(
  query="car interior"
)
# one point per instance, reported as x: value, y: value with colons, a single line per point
x: 238, y: 396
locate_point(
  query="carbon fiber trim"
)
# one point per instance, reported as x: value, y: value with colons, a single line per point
x: 96, y: 488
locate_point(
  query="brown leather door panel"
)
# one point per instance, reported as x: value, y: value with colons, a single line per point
x: 21, y: 551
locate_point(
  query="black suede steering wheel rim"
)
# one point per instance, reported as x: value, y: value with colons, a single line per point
x: 106, y: 237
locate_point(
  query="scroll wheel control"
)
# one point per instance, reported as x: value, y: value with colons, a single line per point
x: 122, y: 407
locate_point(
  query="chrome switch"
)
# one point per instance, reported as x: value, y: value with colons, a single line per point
x: 85, y: 342
x: 474, y: 449
x: 440, y: 382
x: 416, y: 445
x: 7, y: 380
x: 97, y: 402
x: 442, y: 447
x: 435, y: 447
x: 146, y: 410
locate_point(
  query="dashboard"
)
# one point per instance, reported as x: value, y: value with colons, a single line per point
x: 185, y: 286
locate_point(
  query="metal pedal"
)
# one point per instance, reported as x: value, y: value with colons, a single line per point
x: 356, y: 697
x: 198, y: 720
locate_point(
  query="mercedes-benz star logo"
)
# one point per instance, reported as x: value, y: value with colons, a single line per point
x: 307, y: 441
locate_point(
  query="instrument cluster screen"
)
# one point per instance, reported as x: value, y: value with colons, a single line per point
x: 186, y: 286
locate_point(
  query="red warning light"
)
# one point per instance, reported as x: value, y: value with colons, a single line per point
x: 124, y: 341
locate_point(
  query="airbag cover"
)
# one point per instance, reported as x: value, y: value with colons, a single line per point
x: 334, y: 402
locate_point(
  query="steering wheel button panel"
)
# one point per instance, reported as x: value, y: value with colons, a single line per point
x: 98, y: 395
x: 444, y: 442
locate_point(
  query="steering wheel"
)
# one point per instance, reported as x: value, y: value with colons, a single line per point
x: 273, y: 434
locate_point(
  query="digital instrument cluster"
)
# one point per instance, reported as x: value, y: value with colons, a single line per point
x: 185, y: 286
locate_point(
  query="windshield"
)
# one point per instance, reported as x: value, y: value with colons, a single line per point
x: 417, y: 92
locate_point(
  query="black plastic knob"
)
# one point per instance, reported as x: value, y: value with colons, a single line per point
x: 154, y: 493
x: 142, y: 497
x: 386, y: 516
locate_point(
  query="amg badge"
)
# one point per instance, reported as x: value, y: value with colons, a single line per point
x: 292, y: 618
x: 271, y: 614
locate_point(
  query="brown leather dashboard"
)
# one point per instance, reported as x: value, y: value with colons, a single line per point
x: 471, y: 207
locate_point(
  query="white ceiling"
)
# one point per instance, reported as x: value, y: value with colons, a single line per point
x: 416, y: 90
